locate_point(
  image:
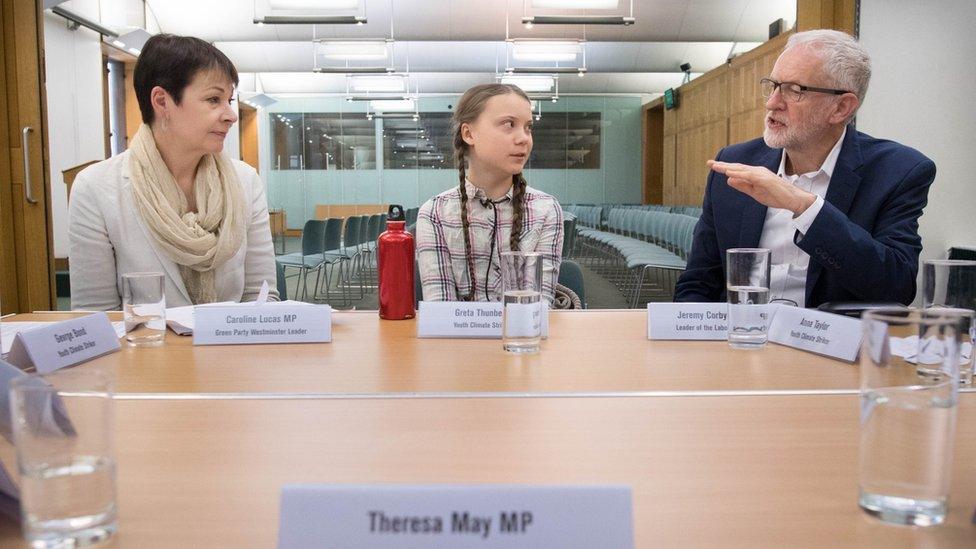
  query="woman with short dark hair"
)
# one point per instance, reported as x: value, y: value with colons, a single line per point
x: 173, y: 202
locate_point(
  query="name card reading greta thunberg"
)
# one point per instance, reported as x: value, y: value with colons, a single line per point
x: 65, y: 343
x: 270, y: 323
x: 698, y: 321
x: 442, y: 516
x: 816, y: 331
x: 467, y: 319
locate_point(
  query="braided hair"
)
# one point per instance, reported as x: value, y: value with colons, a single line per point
x: 468, y: 109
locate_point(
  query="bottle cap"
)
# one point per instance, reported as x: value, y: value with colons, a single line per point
x: 395, y: 213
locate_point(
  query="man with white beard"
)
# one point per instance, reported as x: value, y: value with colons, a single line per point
x: 837, y: 209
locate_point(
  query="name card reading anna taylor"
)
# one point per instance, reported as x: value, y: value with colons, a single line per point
x: 62, y: 344
x: 696, y: 321
x: 472, y: 319
x: 441, y: 516
x: 270, y: 323
x: 816, y: 331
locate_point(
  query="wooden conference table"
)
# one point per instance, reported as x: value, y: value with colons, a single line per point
x: 587, y: 352
x: 721, y: 448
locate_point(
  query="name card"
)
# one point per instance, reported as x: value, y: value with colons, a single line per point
x: 61, y: 344
x: 470, y: 319
x: 697, y: 321
x: 816, y: 331
x: 270, y: 323
x: 442, y: 516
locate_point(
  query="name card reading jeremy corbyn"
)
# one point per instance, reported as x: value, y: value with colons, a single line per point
x: 441, y: 516
x: 269, y: 323
x: 816, y: 331
x: 65, y: 343
x: 467, y: 319
x: 698, y: 321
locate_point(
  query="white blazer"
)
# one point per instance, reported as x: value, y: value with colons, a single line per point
x: 109, y: 238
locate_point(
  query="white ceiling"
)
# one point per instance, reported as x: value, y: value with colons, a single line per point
x: 442, y: 37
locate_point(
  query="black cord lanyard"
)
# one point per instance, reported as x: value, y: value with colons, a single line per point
x: 494, y: 234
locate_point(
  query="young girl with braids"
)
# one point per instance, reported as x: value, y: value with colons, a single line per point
x: 462, y: 231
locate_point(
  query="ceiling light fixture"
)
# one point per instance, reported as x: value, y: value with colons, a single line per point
x: 546, y: 50
x: 577, y: 20
x: 353, y: 51
x: 576, y: 4
x: 530, y: 83
x: 392, y: 83
x: 529, y: 20
x: 310, y: 12
x: 395, y: 105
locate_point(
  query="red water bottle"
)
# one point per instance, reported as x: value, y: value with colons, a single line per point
x: 395, y: 263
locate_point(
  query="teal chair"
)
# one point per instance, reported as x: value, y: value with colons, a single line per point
x: 282, y: 284
x: 571, y: 276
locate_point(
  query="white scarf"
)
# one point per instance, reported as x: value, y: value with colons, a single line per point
x: 198, y: 241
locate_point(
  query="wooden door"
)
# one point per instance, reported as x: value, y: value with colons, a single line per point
x: 26, y: 268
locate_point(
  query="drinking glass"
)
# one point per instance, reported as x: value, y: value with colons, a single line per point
x: 747, y: 287
x: 522, y: 300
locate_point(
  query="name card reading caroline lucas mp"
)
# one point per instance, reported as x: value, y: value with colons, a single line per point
x: 697, y: 321
x: 269, y: 323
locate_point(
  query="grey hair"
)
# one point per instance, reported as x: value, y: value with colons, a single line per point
x: 845, y: 61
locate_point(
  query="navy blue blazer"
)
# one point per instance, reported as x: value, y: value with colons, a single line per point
x: 864, y: 243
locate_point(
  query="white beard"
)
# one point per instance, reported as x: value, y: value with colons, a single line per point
x: 795, y: 136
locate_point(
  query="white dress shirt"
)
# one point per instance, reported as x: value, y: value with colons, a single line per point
x: 789, y: 264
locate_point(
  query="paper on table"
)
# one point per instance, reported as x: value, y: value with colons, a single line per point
x: 907, y: 348
x: 9, y: 330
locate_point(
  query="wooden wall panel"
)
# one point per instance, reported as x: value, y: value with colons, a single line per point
x: 249, y: 136
x: 133, y: 116
x: 668, y: 162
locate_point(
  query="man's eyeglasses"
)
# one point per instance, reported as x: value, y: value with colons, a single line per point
x: 791, y: 90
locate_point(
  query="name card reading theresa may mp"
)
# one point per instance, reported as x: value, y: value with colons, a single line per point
x: 65, y: 343
x: 816, y: 331
x: 442, y: 516
x: 270, y: 323
x: 467, y: 319
x: 696, y: 321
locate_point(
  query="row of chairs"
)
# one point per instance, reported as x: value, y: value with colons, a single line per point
x: 639, y: 246
x: 598, y: 215
x: 588, y: 216
x: 335, y: 248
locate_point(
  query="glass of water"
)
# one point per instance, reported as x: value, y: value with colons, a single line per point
x: 949, y: 283
x: 144, y: 309
x: 63, y: 427
x: 747, y: 286
x: 907, y: 419
x: 522, y: 299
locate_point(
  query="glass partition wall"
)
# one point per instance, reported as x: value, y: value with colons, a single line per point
x: 328, y: 157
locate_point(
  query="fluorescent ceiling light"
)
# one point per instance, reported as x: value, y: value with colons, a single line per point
x: 576, y: 4
x: 545, y: 51
x: 352, y: 51
x: 402, y: 105
x: 311, y: 20
x: 530, y: 83
x: 378, y: 83
x: 317, y: 5
x: 578, y: 20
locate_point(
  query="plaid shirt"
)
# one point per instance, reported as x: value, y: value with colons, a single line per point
x: 440, y: 242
